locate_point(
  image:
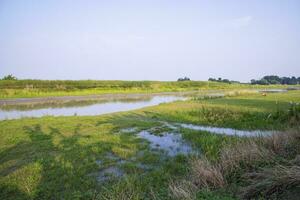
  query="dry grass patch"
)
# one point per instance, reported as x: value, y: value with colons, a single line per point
x: 283, y: 143
x: 271, y: 181
x: 204, y: 174
x: 243, y: 154
x: 183, y: 189
x: 270, y: 165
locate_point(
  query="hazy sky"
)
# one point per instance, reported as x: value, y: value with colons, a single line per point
x: 149, y: 40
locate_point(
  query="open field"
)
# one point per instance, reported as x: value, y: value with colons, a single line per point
x: 149, y: 100
x: 43, y: 88
x: 70, y: 157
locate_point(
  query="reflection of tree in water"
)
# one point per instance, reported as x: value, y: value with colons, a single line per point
x: 65, y: 162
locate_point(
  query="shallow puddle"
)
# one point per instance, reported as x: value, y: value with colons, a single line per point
x: 108, y: 173
x: 226, y: 131
x: 129, y: 130
x: 273, y: 90
x: 169, y: 125
x: 170, y: 143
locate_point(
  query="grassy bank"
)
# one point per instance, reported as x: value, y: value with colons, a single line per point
x: 246, y: 111
x: 254, y: 168
x: 44, y: 88
x: 62, y: 157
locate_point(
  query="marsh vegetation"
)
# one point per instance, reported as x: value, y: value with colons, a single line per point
x: 48, y: 88
x: 157, y: 153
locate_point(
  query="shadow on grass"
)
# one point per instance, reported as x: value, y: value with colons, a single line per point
x: 65, y: 164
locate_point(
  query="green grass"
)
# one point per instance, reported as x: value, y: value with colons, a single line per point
x: 251, y: 111
x: 44, y: 88
x: 52, y: 157
x: 56, y: 157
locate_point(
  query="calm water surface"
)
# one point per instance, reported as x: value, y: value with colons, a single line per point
x: 84, y: 106
x: 172, y: 143
x: 227, y: 131
x: 97, y: 108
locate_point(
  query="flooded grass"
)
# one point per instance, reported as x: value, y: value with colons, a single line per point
x: 170, y: 143
x: 109, y: 173
x: 129, y: 130
x: 134, y: 153
x: 227, y: 131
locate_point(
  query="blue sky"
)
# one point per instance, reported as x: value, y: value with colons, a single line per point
x: 149, y: 40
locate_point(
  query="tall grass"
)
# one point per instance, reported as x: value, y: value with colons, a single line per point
x: 268, y: 165
x: 221, y: 94
x: 268, y: 181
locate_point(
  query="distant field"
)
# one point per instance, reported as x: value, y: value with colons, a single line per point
x: 44, y: 88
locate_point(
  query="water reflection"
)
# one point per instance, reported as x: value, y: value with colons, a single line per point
x: 171, y: 143
x: 83, y: 108
x: 273, y: 90
x: 226, y: 131
x: 68, y: 103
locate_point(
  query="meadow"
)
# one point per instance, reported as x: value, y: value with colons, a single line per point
x: 66, y: 157
x: 46, y: 88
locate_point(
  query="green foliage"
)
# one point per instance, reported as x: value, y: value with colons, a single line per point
x: 222, y: 80
x: 9, y: 77
x: 291, y: 116
x: 266, y: 80
x: 209, y: 144
x: 184, y: 79
x: 294, y: 110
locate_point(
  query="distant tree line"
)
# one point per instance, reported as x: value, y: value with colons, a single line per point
x: 223, y: 80
x: 267, y: 80
x: 184, y: 79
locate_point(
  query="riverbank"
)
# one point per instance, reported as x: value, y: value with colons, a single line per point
x: 44, y: 88
x: 99, y: 97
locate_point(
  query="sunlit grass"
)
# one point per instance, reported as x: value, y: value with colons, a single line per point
x: 56, y: 157
x: 44, y: 88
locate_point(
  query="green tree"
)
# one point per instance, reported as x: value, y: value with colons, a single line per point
x: 9, y: 77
